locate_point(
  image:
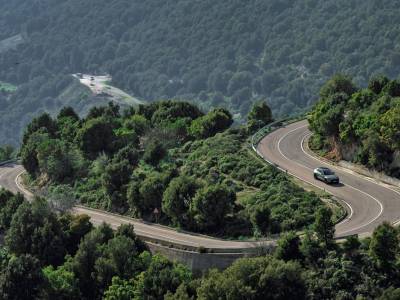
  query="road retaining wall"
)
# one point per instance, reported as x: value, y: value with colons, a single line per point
x: 200, y: 262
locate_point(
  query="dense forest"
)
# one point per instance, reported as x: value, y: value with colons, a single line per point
x: 48, y: 255
x: 359, y: 125
x: 217, y: 53
x: 170, y: 156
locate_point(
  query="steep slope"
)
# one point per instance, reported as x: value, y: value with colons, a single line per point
x: 217, y: 53
x: 359, y: 125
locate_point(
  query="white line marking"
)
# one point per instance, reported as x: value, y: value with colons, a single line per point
x: 348, y: 171
x: 350, y: 186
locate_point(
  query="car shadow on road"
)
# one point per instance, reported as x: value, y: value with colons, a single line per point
x: 337, y: 184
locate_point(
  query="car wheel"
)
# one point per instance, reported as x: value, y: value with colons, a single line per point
x: 315, y: 176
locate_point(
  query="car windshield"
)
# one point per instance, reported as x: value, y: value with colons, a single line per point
x: 328, y: 172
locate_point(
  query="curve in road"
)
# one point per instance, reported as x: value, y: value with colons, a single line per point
x: 369, y: 203
x: 10, y: 179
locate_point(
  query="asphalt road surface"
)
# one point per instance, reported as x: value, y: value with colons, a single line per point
x: 10, y: 179
x: 368, y: 202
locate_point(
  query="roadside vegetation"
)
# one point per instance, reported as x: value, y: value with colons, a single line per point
x: 170, y: 157
x: 7, y: 152
x: 359, y: 125
x: 54, y: 255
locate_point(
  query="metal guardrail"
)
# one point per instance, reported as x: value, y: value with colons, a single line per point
x: 261, y: 133
x: 2, y: 163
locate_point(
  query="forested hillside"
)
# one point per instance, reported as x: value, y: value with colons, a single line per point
x: 360, y: 125
x: 49, y: 255
x: 217, y: 53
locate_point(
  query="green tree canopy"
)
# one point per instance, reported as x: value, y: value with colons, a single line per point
x: 211, y: 205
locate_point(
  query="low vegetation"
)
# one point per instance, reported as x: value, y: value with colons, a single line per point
x: 359, y: 125
x: 170, y: 157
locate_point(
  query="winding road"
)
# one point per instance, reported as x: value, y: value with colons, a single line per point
x: 368, y: 202
x: 10, y: 179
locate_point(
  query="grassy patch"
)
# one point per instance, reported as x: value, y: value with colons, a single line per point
x: 7, y: 87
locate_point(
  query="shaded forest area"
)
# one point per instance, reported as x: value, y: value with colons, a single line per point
x: 228, y: 53
x: 50, y: 255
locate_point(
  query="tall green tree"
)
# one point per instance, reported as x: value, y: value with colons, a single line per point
x: 211, y: 205
x: 177, y: 199
x: 288, y: 247
x: 384, y: 245
x: 323, y: 226
x: 35, y: 230
x: 120, y: 289
x: 260, y: 216
x: 9, y: 203
x: 259, y: 116
x: 96, y: 136
x: 60, y: 284
x: 22, y: 279
x: 160, y: 277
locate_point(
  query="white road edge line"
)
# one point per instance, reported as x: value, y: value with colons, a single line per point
x: 349, y: 172
x: 375, y: 199
x: 280, y: 151
x: 304, y: 180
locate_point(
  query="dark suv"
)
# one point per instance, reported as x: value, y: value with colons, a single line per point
x: 326, y: 175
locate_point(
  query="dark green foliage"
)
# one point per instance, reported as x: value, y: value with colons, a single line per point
x: 44, y: 122
x: 9, y: 203
x: 68, y: 112
x: 124, y: 163
x: 120, y: 289
x: 259, y: 116
x: 178, y: 198
x: 261, y: 218
x: 288, y: 247
x: 324, y: 226
x: 351, y: 245
x: 60, y: 284
x: 258, y: 278
x: 36, y: 230
x: 241, y: 50
x: 390, y: 294
x: 170, y: 111
x: 211, y: 205
x: 83, y: 263
x: 336, y: 85
x: 223, y: 158
x: 362, y: 126
x: 75, y: 228
x: 22, y: 279
x: 154, y: 153
x: 215, y: 121
x: 96, y: 136
x: 377, y: 84
x: 144, y: 195
x: 384, y: 246
x: 7, y: 152
x: 160, y: 277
